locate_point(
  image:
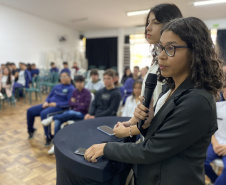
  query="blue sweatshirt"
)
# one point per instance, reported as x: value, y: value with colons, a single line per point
x: 61, y: 95
x: 55, y: 69
x: 34, y: 72
x: 66, y: 70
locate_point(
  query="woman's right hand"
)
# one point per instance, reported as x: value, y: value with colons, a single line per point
x: 143, y: 113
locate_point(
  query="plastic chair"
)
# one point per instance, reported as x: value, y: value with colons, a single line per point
x: 102, y: 67
x: 92, y: 67
x: 34, y: 89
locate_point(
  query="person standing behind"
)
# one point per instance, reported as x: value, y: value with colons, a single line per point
x: 79, y: 105
x: 95, y: 84
x: 143, y: 72
x: 34, y: 70
x: 24, y: 78
x: 127, y: 74
x: 106, y: 100
x: 65, y: 69
x: 57, y: 100
x: 53, y: 69
x: 217, y: 147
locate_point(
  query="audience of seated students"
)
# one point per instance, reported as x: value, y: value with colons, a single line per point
x: 53, y: 69
x: 57, y: 100
x: 34, y: 70
x: 127, y: 74
x: 132, y: 100
x: 6, y: 82
x: 95, y: 84
x: 74, y: 70
x: 116, y: 80
x: 79, y: 105
x: 143, y: 72
x: 24, y: 78
x: 217, y: 147
x: 106, y: 100
x: 65, y: 69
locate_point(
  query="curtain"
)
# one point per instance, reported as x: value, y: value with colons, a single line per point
x: 221, y: 41
x: 102, y: 52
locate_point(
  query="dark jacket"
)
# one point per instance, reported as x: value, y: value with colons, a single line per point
x: 106, y: 102
x: 82, y: 101
x: 174, y: 149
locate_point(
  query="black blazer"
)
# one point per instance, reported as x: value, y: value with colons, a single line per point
x: 174, y: 149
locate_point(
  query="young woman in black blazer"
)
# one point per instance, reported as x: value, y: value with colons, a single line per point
x: 174, y: 149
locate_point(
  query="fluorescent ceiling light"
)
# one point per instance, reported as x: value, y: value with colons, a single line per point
x: 141, y: 12
x: 200, y: 3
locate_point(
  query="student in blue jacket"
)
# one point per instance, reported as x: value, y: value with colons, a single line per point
x: 24, y: 78
x: 65, y: 69
x: 57, y: 100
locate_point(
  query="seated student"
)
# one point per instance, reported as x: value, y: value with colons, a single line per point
x: 79, y: 105
x: 132, y: 100
x: 127, y: 74
x: 106, y: 100
x: 53, y: 69
x: 128, y: 85
x: 24, y: 78
x: 65, y: 69
x: 15, y: 71
x: 217, y: 147
x: 116, y: 80
x: 95, y: 84
x: 143, y: 72
x: 57, y: 100
x: 6, y: 82
x: 34, y: 70
x: 74, y: 70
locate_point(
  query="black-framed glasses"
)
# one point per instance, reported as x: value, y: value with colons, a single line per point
x: 169, y: 49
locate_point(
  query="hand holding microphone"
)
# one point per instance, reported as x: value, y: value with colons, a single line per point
x: 144, y: 110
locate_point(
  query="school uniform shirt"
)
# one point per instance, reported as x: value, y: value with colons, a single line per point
x: 4, y: 80
x: 129, y: 107
x: 61, y: 95
x: 34, y: 72
x: 82, y: 101
x: 21, y: 78
x: 66, y: 70
x: 106, y: 102
x: 55, y: 69
x: 220, y: 134
x: 94, y: 87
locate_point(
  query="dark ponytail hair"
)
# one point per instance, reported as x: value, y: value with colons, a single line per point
x: 164, y: 13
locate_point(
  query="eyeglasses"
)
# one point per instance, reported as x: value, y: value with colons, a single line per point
x: 169, y: 49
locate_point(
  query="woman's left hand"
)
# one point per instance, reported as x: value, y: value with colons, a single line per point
x: 94, y: 152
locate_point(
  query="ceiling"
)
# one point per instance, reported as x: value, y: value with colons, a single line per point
x: 88, y: 15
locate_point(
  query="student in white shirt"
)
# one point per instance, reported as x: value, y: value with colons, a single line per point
x: 132, y: 100
x: 95, y: 84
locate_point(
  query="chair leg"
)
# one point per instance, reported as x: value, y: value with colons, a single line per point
x: 36, y: 96
x: 30, y: 97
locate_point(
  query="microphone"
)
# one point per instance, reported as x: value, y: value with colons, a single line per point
x: 150, y: 85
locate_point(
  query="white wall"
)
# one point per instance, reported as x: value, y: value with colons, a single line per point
x: 24, y: 37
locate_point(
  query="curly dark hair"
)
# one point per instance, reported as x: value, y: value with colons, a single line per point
x: 206, y: 69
